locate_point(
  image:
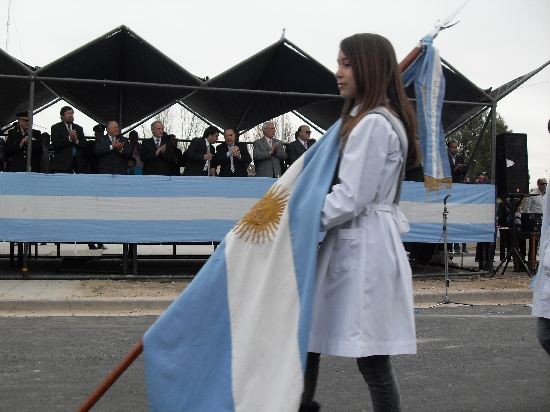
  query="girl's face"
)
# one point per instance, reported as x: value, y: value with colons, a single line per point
x: 344, y: 76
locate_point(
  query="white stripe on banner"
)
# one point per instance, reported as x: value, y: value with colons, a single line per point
x: 457, y: 213
x: 123, y: 208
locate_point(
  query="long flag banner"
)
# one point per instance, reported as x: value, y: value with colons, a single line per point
x: 429, y: 90
x: 236, y: 338
x: 36, y: 207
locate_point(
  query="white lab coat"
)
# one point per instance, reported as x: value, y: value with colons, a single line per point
x: 363, y: 302
x: 541, y: 294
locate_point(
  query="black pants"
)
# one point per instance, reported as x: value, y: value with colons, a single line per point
x: 543, y: 333
x: 377, y: 373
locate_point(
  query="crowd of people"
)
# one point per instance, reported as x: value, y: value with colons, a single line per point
x: 67, y: 150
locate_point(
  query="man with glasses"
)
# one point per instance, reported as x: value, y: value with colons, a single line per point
x: 17, y: 143
x: 299, y: 146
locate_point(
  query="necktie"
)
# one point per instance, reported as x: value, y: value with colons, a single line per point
x: 232, y: 164
x: 158, y: 142
x: 73, y: 150
x: 207, y: 163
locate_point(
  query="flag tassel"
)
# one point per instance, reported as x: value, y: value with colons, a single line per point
x: 112, y: 377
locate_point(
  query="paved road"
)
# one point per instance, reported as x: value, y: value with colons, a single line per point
x: 469, y: 359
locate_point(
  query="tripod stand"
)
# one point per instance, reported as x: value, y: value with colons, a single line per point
x: 513, y: 251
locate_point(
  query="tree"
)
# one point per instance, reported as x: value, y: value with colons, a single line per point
x: 466, y: 138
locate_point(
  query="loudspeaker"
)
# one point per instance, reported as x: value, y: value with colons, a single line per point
x: 512, y: 173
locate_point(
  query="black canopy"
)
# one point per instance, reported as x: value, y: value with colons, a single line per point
x: 281, y: 67
x: 119, y: 55
x: 15, y: 92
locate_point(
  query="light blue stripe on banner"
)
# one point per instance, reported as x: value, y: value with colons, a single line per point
x: 108, y: 231
x: 457, y: 233
x: 193, y: 339
x: 460, y: 194
x: 309, y: 194
x: 132, y: 186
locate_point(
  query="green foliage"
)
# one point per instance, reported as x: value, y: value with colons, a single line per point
x: 467, y: 136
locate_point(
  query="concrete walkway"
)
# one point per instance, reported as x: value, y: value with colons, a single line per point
x: 139, y: 298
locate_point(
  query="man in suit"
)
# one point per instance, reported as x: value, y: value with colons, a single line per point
x: 158, y: 153
x: 69, y: 145
x: 17, y: 143
x: 299, y: 146
x: 456, y: 161
x: 199, y: 156
x: 268, y: 153
x: 112, y: 151
x: 232, y: 156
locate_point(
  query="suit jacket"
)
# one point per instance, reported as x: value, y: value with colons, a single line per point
x: 240, y: 164
x: 295, y: 149
x: 457, y: 175
x: 17, y: 155
x: 163, y: 164
x: 268, y: 164
x: 194, y: 157
x: 63, y: 149
x: 109, y: 160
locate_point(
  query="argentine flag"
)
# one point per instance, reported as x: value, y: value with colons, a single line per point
x: 236, y: 339
x: 429, y: 91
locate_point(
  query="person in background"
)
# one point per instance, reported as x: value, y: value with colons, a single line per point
x: 199, y: 156
x: 137, y: 164
x: 69, y: 145
x: 268, y: 153
x: 232, y: 156
x: 112, y: 151
x: 299, y: 146
x: 17, y: 143
x: 541, y: 283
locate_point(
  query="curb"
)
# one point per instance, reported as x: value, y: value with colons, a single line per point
x: 155, y: 306
x: 500, y: 296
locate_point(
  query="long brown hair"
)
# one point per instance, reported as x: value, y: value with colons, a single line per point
x: 378, y: 83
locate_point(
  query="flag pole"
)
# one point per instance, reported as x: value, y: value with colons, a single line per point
x: 439, y: 26
x: 112, y: 377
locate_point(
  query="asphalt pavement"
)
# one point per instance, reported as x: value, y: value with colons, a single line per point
x: 470, y: 358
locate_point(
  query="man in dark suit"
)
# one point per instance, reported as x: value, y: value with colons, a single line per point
x: 232, y: 156
x: 299, y: 146
x: 112, y: 151
x: 268, y: 153
x: 158, y: 153
x: 456, y: 161
x: 199, y: 156
x: 69, y: 145
x: 17, y: 143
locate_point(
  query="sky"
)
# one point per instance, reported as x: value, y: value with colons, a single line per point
x: 495, y: 40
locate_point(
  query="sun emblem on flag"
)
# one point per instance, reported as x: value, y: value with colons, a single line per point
x: 261, y: 222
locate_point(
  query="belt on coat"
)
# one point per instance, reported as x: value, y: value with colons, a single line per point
x: 378, y: 208
x: 400, y: 220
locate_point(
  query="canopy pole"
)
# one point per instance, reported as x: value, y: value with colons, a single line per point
x: 309, y: 122
x: 478, y: 141
x: 493, y: 141
x: 29, y: 130
x: 112, y: 377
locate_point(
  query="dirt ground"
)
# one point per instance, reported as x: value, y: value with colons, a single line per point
x: 171, y: 289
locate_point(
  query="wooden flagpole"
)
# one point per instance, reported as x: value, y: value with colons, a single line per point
x: 112, y: 377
